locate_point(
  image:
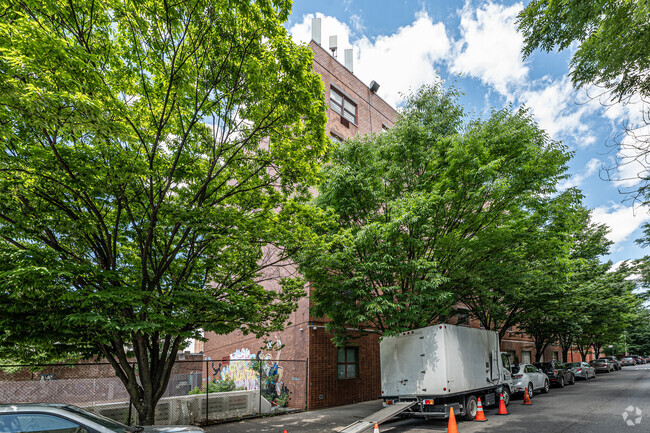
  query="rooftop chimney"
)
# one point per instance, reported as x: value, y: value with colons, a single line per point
x: 348, y: 59
x: 333, y: 45
x: 315, y: 30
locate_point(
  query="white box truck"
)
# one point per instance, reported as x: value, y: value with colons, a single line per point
x: 427, y: 371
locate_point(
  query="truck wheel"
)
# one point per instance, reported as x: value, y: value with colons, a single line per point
x: 471, y: 405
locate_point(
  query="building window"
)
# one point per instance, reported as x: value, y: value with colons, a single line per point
x: 463, y: 317
x: 526, y: 356
x: 343, y: 106
x: 336, y: 138
x: 556, y: 356
x: 347, y: 363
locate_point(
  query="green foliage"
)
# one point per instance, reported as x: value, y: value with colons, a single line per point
x: 613, y: 38
x: 224, y: 385
x: 155, y: 163
x: 417, y: 207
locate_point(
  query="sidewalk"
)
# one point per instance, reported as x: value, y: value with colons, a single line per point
x: 316, y: 421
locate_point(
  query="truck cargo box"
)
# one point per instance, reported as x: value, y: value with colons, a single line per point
x: 439, y: 360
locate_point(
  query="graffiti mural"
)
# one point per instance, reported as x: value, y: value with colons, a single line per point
x: 250, y: 370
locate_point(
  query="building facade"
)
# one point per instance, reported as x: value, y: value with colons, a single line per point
x: 306, y: 360
x: 334, y: 376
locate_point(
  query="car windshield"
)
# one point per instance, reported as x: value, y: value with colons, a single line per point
x: 98, y: 419
x: 573, y: 364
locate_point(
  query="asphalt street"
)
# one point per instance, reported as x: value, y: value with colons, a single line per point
x: 593, y: 406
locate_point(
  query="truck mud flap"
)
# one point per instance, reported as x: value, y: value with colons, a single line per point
x: 378, y: 417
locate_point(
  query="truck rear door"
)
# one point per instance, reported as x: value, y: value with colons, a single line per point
x: 402, y: 366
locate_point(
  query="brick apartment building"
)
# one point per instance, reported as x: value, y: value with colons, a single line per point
x: 352, y: 374
x: 335, y: 377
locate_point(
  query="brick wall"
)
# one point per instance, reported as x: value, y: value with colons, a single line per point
x: 373, y: 113
x: 325, y: 389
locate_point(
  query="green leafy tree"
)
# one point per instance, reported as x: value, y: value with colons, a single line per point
x: 638, y: 335
x: 155, y: 158
x: 518, y: 259
x: 411, y: 204
x: 613, y: 40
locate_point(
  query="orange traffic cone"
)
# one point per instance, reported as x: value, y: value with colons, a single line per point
x: 376, y: 429
x: 480, y: 415
x: 502, y: 407
x: 451, y: 427
x: 527, y: 397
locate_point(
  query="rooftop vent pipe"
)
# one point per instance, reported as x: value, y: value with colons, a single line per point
x: 348, y: 59
x: 315, y: 30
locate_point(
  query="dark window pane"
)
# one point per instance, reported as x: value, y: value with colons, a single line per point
x: 340, y: 356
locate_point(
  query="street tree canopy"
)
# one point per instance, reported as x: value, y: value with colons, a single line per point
x: 411, y: 204
x: 152, y: 154
x: 613, y: 38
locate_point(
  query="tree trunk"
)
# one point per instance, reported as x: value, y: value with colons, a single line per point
x: 147, y: 379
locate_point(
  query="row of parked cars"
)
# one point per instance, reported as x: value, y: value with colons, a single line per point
x: 540, y: 376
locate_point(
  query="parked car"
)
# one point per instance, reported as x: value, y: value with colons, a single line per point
x: 582, y: 370
x: 637, y: 359
x: 611, y: 363
x: 18, y: 418
x: 602, y: 365
x: 531, y: 377
x: 557, y: 373
x: 616, y: 362
x: 628, y: 361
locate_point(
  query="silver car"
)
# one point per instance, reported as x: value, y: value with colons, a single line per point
x: 54, y: 418
x: 582, y: 370
x: 531, y: 377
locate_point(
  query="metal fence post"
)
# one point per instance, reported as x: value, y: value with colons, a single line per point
x: 306, y: 382
x: 259, y: 409
x: 207, y: 391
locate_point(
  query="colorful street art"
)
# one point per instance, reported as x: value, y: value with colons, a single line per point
x: 244, y: 368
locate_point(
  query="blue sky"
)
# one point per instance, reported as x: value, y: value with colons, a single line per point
x: 404, y: 44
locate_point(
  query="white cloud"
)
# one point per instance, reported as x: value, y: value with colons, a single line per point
x: 622, y: 220
x: 357, y: 23
x: 404, y: 60
x: 556, y: 110
x: 399, y: 62
x: 593, y: 166
x: 490, y: 46
x: 301, y: 32
x: 633, y: 159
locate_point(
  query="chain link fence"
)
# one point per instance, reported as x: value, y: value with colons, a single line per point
x: 199, y: 392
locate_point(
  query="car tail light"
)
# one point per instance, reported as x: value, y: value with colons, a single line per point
x: 517, y: 376
x: 579, y: 370
x: 554, y: 371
